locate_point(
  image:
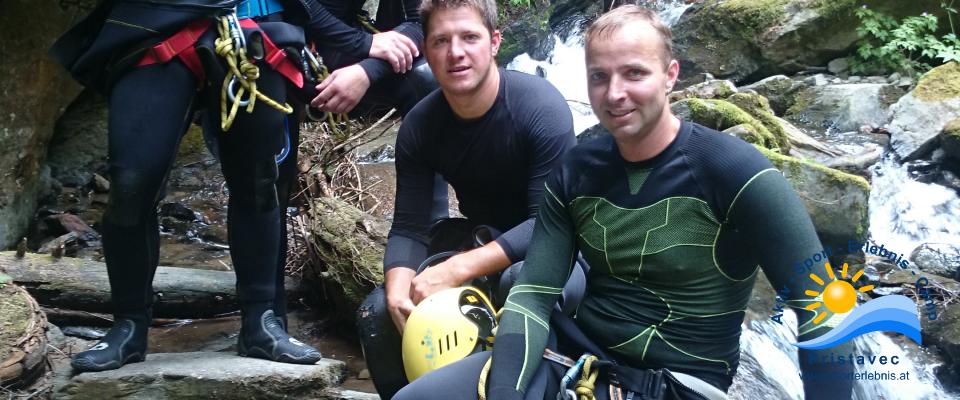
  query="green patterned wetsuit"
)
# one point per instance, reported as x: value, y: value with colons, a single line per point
x: 673, y: 242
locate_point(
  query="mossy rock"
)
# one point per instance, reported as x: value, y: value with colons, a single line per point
x: 836, y: 201
x: 940, y: 83
x: 950, y: 139
x: 23, y: 341
x: 721, y: 115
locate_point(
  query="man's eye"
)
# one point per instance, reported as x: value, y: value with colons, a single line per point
x: 598, y: 77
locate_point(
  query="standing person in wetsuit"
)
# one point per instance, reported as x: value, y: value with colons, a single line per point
x: 373, y: 70
x: 493, y: 135
x: 673, y: 218
x: 143, y: 56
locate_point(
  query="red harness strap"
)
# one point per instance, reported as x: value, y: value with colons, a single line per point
x: 276, y: 57
x: 180, y: 45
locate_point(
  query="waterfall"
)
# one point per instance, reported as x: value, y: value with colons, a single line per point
x: 905, y: 213
x: 565, y: 68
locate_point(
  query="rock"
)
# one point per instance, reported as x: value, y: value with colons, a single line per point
x: 742, y: 40
x: 779, y: 90
x: 721, y: 114
x: 950, y: 139
x: 816, y: 80
x: 836, y: 201
x: 842, y: 107
x: 919, y: 117
x: 178, y: 211
x: 523, y: 30
x: 854, y: 79
x: 79, y: 143
x: 364, y: 374
x: 342, y: 394
x: 35, y: 90
x: 856, y: 164
x: 205, y: 375
x: 100, y: 184
x: 894, y: 77
x: 838, y: 65
x: 937, y: 258
x: 950, y: 180
x: 714, y: 89
x: 944, y: 334
x: 743, y: 131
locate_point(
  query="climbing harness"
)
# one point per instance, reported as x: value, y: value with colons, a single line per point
x: 242, y: 74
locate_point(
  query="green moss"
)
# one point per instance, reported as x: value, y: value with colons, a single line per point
x: 759, y: 107
x: 192, y: 142
x: 801, y: 102
x: 828, y: 8
x: 941, y: 83
x: 14, y: 317
x: 792, y: 167
x: 721, y: 114
x: 753, y: 16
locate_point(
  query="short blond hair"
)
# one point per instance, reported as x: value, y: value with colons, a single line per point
x: 486, y: 8
x: 611, y: 22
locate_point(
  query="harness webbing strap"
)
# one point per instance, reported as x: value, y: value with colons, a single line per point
x: 276, y: 57
x: 180, y: 45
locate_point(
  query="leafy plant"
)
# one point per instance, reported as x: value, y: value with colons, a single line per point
x: 908, y: 46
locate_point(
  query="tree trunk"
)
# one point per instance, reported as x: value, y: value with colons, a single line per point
x: 346, y: 247
x: 76, y: 284
x: 23, y: 340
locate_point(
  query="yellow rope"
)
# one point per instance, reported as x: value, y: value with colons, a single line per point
x: 246, y: 74
x: 588, y: 380
x: 482, y: 384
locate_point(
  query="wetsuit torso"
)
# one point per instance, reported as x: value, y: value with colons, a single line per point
x: 673, y: 243
x: 496, y: 163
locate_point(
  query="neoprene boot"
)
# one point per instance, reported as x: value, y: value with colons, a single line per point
x: 125, y: 343
x: 262, y: 336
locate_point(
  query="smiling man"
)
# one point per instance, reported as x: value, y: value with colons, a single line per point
x: 674, y: 219
x: 494, y: 135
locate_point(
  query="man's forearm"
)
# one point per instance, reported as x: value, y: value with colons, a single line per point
x: 482, y: 261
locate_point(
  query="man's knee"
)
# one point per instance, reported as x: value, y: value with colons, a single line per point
x: 132, y: 192
x: 372, y: 314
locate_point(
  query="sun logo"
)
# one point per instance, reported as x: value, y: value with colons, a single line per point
x: 838, y: 296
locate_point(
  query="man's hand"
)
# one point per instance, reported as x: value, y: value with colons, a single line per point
x: 394, y: 48
x: 397, y: 285
x: 436, y: 278
x: 342, y: 90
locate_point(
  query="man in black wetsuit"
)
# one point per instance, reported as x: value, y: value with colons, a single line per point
x: 493, y: 135
x: 674, y: 219
x: 144, y: 56
x: 374, y: 68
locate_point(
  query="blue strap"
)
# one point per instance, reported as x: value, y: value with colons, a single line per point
x: 258, y: 8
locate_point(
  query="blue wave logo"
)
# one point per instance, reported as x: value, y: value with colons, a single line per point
x: 894, y: 313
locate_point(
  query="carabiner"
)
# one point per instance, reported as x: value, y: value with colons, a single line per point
x: 233, y: 95
x: 239, y: 42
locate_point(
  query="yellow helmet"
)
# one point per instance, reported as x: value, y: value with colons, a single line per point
x: 445, y: 327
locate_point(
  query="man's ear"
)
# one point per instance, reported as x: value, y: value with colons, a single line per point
x: 495, y: 42
x: 673, y: 72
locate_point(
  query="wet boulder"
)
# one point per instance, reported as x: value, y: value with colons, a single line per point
x: 950, y: 139
x: 743, y: 40
x: 918, y: 118
x: 836, y: 201
x: 206, y: 375
x: 843, y: 107
x: 937, y: 258
x: 78, y: 147
x: 35, y: 92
